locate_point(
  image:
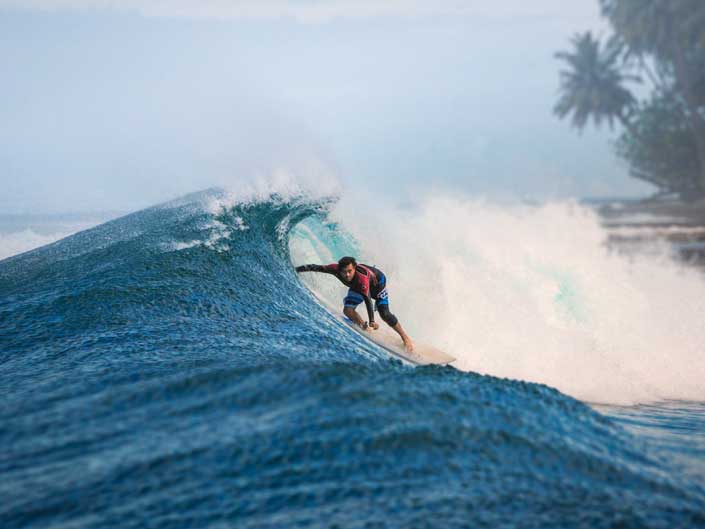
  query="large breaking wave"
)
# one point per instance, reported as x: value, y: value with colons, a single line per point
x: 168, y: 368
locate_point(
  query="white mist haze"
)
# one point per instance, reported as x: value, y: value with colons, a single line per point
x: 315, y: 11
x: 118, y: 107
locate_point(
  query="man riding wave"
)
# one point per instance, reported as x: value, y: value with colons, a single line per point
x: 364, y: 283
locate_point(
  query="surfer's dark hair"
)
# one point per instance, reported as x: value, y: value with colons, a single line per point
x: 345, y: 261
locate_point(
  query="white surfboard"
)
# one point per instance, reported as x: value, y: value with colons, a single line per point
x: 386, y: 338
x: 422, y: 355
x: 390, y: 341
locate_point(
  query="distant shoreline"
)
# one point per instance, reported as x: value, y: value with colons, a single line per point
x: 652, y: 214
x: 635, y: 226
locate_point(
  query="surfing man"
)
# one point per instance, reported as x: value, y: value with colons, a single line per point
x: 364, y: 283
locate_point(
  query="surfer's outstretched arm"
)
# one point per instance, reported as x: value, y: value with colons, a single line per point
x: 326, y: 269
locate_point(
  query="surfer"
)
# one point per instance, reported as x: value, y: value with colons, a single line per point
x: 364, y: 283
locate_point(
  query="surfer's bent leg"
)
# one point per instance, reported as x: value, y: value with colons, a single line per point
x: 382, y: 305
x: 352, y: 300
x: 388, y: 317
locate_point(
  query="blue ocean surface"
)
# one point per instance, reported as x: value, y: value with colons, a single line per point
x: 168, y: 369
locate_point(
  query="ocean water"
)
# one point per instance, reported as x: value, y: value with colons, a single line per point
x: 169, y: 369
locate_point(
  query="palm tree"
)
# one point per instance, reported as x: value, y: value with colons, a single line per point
x: 592, y: 86
x: 673, y: 32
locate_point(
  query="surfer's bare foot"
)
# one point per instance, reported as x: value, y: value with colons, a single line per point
x: 409, y: 346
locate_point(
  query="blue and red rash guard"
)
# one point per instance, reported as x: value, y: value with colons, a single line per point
x: 366, y: 281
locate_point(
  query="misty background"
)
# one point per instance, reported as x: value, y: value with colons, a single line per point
x: 115, y: 109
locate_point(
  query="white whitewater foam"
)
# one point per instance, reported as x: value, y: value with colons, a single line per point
x: 218, y: 235
x: 316, y: 182
x: 533, y: 293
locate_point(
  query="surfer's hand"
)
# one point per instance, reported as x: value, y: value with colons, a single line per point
x: 374, y: 325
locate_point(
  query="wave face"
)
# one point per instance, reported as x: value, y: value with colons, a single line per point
x: 168, y: 369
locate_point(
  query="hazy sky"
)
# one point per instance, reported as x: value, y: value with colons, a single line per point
x: 118, y: 108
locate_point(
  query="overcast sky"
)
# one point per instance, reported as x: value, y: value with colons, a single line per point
x: 106, y: 107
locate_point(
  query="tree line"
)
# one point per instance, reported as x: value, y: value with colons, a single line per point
x: 660, y: 45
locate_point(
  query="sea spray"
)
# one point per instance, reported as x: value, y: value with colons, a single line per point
x: 533, y: 293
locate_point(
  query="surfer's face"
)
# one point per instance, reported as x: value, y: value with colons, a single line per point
x: 347, y: 273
